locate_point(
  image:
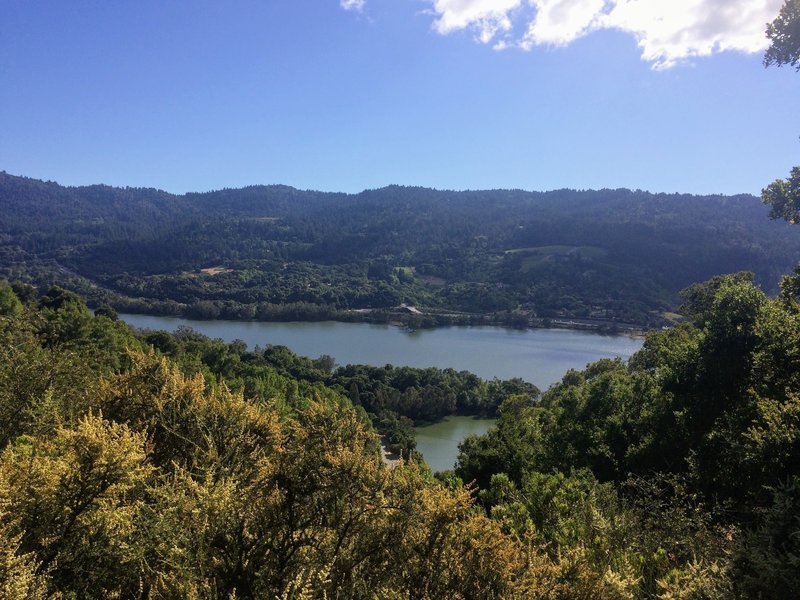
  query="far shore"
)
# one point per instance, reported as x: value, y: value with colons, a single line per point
x: 434, y: 321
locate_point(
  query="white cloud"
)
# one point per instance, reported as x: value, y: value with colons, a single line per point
x: 667, y: 31
x: 352, y: 4
x: 487, y: 18
x: 671, y: 30
x: 559, y: 22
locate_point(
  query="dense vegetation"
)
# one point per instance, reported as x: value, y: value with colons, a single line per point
x: 147, y: 464
x: 706, y: 416
x: 123, y: 475
x: 273, y: 252
x: 395, y: 398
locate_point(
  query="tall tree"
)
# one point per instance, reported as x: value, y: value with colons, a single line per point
x: 784, y: 35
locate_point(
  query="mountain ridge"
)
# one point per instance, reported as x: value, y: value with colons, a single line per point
x: 614, y: 255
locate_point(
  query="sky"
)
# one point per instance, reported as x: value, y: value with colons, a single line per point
x: 346, y: 95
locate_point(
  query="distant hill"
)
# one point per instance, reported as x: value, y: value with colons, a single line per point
x: 612, y: 256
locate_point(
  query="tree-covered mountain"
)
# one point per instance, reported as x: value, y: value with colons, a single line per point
x: 276, y: 252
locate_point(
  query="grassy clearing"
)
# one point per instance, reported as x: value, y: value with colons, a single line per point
x: 432, y: 280
x: 534, y: 256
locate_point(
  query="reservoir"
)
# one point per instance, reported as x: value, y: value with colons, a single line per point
x: 540, y: 356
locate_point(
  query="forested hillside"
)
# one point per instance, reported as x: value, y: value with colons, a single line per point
x: 274, y: 252
x: 155, y: 465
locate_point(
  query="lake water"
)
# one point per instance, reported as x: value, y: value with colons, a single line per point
x: 439, y: 442
x: 540, y: 356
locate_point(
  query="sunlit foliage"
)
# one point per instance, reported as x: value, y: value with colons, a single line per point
x: 132, y: 469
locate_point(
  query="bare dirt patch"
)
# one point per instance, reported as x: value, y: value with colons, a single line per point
x: 215, y: 271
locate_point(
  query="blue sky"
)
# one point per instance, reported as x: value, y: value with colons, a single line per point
x: 457, y: 94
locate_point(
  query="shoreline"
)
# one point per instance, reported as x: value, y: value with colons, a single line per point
x: 412, y: 318
x: 604, y: 328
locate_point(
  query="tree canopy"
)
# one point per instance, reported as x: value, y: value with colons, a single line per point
x: 155, y: 465
x: 784, y: 36
x: 783, y: 196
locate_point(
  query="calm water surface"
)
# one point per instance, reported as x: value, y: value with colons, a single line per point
x: 540, y: 356
x: 439, y: 442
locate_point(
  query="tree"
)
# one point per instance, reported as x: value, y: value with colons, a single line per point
x: 784, y: 197
x: 70, y: 499
x: 9, y: 303
x: 104, y: 310
x: 784, y: 35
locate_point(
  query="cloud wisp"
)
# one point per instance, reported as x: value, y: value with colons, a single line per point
x: 667, y: 31
x: 357, y: 5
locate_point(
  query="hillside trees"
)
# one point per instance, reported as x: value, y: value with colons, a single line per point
x: 274, y: 253
x: 714, y: 399
x: 194, y: 468
x: 703, y: 425
x: 133, y: 477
